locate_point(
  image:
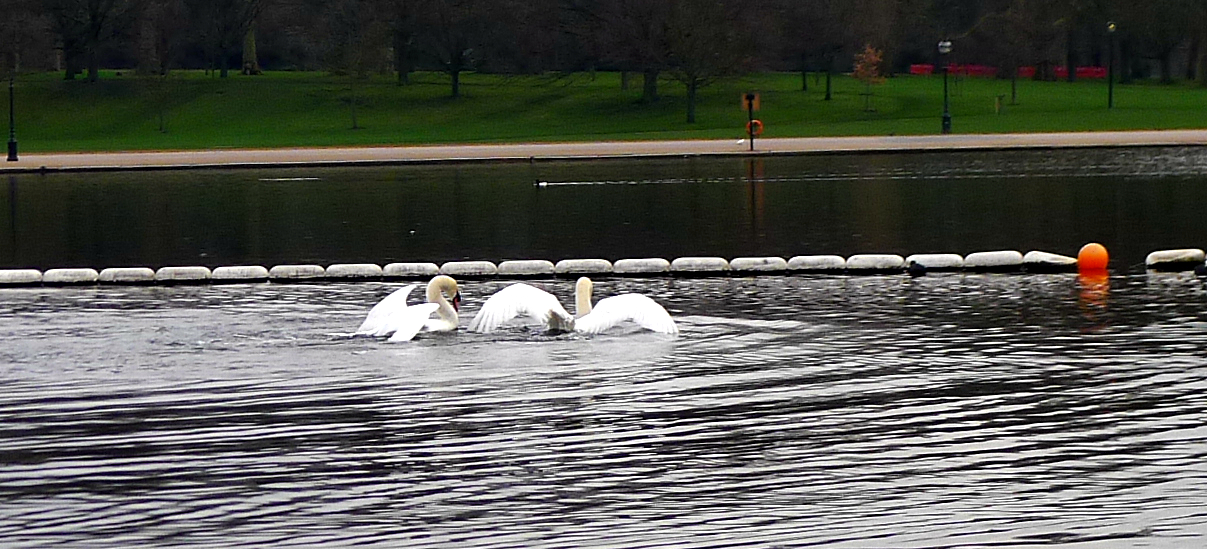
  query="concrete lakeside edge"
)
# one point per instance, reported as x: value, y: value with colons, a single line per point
x: 604, y: 150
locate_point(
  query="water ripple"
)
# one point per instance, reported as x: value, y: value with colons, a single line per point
x: 952, y: 411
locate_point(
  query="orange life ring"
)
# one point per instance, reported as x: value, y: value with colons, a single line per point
x: 754, y: 127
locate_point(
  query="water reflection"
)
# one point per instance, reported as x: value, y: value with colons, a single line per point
x: 1132, y: 200
x: 1094, y: 291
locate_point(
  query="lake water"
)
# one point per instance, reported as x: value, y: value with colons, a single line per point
x: 1132, y: 200
x: 944, y: 411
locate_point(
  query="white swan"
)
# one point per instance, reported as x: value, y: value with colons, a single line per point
x: 392, y: 315
x: 618, y: 309
x: 522, y: 300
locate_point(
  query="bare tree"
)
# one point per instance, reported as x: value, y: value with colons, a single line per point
x: 704, y: 45
x: 87, y: 26
x: 222, y: 27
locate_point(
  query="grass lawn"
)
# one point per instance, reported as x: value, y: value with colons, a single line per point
x: 315, y: 109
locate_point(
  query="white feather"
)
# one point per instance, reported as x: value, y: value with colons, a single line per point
x: 378, y: 315
x: 521, y: 300
x: 409, y: 322
x: 613, y: 311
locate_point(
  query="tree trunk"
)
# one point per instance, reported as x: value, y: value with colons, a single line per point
x: 94, y: 65
x: 1070, y: 56
x: 1192, y: 59
x: 692, y: 87
x: 1166, y: 67
x: 1201, y: 72
x: 402, y: 62
x: 649, y: 85
x: 251, y: 62
x: 829, y: 82
x: 456, y: 74
x: 804, y: 73
x: 1014, y: 87
x: 223, y: 60
x: 624, y: 80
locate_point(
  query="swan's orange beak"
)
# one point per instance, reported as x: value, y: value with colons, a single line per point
x: 457, y: 302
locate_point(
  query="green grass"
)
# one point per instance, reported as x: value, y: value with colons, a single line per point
x: 312, y: 109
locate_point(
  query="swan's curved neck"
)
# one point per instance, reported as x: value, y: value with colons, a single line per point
x: 582, y: 297
x: 436, y: 290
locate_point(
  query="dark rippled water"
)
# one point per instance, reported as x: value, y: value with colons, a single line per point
x: 1134, y: 201
x: 945, y: 411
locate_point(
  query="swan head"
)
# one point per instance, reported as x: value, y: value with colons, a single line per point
x: 444, y: 287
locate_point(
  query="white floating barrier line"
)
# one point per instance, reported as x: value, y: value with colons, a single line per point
x: 469, y: 269
x: 70, y: 277
x: 699, y: 266
x: 296, y: 273
x: 528, y: 268
x: 20, y: 277
x: 1002, y: 261
x: 692, y: 266
x: 579, y: 267
x: 652, y: 266
x: 354, y: 271
x: 758, y: 265
x: 1175, y: 260
x: 239, y: 274
x: 1044, y: 262
x: 937, y: 262
x: 126, y: 275
x: 183, y: 275
x: 410, y: 271
x: 829, y: 264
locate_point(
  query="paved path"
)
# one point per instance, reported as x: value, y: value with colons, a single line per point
x: 215, y: 158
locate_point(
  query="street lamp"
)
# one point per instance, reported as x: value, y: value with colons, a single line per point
x: 1110, y: 65
x: 12, y: 121
x: 944, y: 49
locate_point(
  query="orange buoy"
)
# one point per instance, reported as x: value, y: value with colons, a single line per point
x: 1092, y: 257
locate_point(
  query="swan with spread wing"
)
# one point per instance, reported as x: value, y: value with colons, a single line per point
x: 393, y: 317
x: 521, y: 300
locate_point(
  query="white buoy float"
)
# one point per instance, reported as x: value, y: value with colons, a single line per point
x: 1045, y: 262
x: 70, y: 277
x: 239, y: 274
x: 410, y: 271
x: 126, y: 275
x: 578, y: 267
x: 20, y: 277
x: 296, y: 273
x: 1002, y: 261
x: 645, y: 266
x: 354, y: 271
x: 876, y: 263
x: 937, y: 262
x: 183, y: 275
x: 526, y: 268
x: 817, y: 264
x: 699, y: 266
x: 469, y: 269
x: 1175, y: 260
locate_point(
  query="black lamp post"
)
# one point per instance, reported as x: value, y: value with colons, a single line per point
x: 1110, y: 65
x: 12, y: 120
x: 944, y: 49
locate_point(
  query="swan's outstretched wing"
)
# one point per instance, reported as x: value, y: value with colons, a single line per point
x: 392, y: 304
x: 405, y: 324
x: 615, y: 310
x: 521, y: 300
